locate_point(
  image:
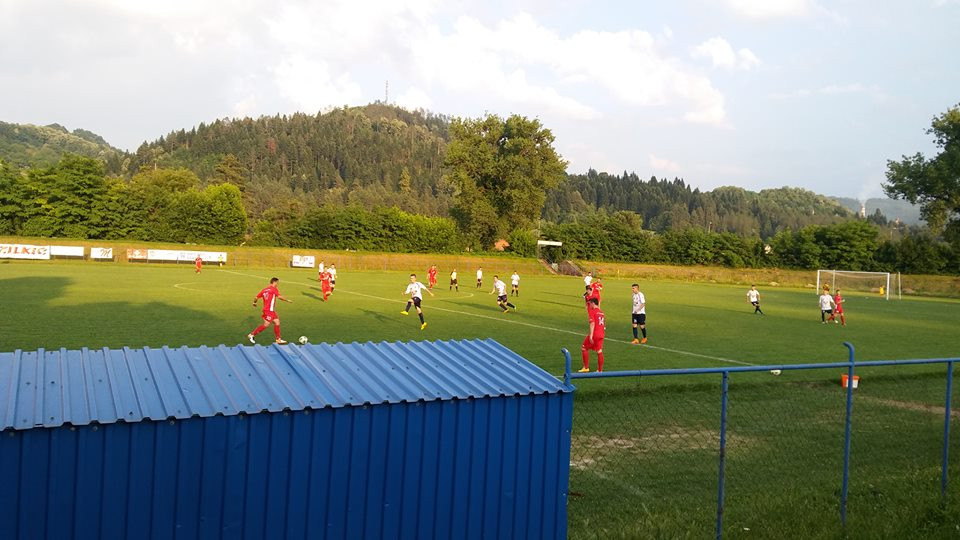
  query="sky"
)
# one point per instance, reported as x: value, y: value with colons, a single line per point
x: 749, y: 93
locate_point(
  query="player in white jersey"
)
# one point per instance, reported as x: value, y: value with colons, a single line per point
x: 753, y: 296
x: 333, y: 277
x: 587, y: 280
x: 500, y: 288
x: 515, y: 284
x: 826, y: 305
x: 453, y: 280
x: 639, y: 314
x: 415, y: 290
x: 479, y: 277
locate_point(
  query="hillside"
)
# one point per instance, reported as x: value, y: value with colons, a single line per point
x: 27, y: 145
x: 892, y: 209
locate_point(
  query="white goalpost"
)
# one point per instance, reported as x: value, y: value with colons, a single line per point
x: 879, y: 283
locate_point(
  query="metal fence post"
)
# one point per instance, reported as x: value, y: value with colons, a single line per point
x: 567, y: 366
x: 846, y: 437
x: 946, y: 432
x: 723, y: 452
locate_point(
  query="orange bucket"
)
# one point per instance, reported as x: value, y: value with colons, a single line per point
x: 844, y: 377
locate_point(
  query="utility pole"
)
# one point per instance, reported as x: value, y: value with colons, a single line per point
x: 386, y: 93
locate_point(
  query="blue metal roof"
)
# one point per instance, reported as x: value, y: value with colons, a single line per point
x: 79, y: 387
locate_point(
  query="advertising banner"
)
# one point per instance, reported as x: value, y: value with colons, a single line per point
x: 101, y: 253
x: 185, y: 255
x: 24, y: 251
x: 67, y: 251
x: 136, y: 254
x: 303, y: 261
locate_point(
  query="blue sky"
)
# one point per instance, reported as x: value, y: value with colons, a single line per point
x: 749, y: 93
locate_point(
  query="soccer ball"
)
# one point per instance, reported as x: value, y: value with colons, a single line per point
x: 775, y: 371
x: 303, y: 340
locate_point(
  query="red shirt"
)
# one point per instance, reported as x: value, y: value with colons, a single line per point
x: 838, y: 300
x: 269, y: 295
x: 597, y: 318
x: 325, y: 279
x: 595, y: 289
x: 199, y: 261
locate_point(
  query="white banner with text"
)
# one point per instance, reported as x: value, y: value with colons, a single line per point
x: 303, y: 261
x: 24, y: 251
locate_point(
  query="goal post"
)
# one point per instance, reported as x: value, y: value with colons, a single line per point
x: 879, y: 283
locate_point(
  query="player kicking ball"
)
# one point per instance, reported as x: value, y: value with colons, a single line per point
x: 594, y: 339
x: 270, y: 294
x: 415, y: 290
x: 500, y: 288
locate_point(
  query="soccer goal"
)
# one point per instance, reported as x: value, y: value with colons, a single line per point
x: 879, y: 283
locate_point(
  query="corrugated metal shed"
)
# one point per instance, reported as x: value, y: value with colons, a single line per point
x: 376, y: 440
x: 53, y: 388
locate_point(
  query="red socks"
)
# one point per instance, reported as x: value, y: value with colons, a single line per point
x: 599, y: 361
x: 276, y: 331
x: 259, y: 329
x: 586, y: 358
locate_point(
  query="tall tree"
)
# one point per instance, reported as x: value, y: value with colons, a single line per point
x: 231, y: 171
x: 503, y: 167
x: 935, y: 182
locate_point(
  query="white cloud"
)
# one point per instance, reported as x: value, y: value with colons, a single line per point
x: 310, y: 85
x: 414, y: 98
x: 721, y: 54
x: 664, y: 165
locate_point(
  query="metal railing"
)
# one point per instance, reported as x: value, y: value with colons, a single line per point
x: 597, y: 446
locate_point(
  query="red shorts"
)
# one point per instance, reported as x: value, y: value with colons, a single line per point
x: 597, y: 344
x: 325, y: 288
x: 270, y: 316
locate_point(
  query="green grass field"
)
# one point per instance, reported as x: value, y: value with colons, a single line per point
x: 644, y: 455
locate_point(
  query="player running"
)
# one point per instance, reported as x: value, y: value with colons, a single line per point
x: 515, y: 284
x: 501, y: 289
x: 453, y: 280
x: 432, y: 276
x: 415, y: 290
x: 639, y: 314
x: 479, y: 277
x: 753, y: 296
x: 199, y: 264
x: 826, y: 305
x: 837, y: 301
x: 270, y: 294
x: 326, y: 284
x: 320, y: 270
x: 594, y: 339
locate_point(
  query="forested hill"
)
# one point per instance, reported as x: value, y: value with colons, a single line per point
x: 371, y: 155
x: 26, y: 145
x: 672, y: 204
x: 381, y: 155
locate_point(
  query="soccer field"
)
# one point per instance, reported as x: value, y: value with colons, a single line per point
x: 644, y: 451
x: 76, y: 305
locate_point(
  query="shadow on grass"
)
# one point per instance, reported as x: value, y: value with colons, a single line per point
x: 42, y: 323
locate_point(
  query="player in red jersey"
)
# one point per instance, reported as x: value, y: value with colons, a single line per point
x: 325, y: 279
x: 594, y: 339
x: 432, y: 276
x: 199, y: 263
x: 838, y: 300
x: 270, y: 295
x: 594, y: 290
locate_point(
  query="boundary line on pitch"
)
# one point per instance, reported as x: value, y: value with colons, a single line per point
x: 500, y: 319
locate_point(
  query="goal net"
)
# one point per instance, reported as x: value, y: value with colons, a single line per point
x: 882, y: 284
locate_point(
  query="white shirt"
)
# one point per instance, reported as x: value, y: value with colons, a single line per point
x: 515, y: 279
x: 414, y: 289
x: 320, y: 267
x: 587, y: 280
x: 453, y: 275
x: 826, y: 301
x: 333, y: 272
x: 753, y: 295
x: 500, y: 286
x: 479, y: 274
x: 639, y: 303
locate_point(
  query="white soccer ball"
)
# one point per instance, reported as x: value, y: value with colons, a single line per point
x: 303, y: 340
x: 775, y: 371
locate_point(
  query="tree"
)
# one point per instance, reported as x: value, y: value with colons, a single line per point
x: 231, y: 171
x: 503, y: 166
x: 934, y: 183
